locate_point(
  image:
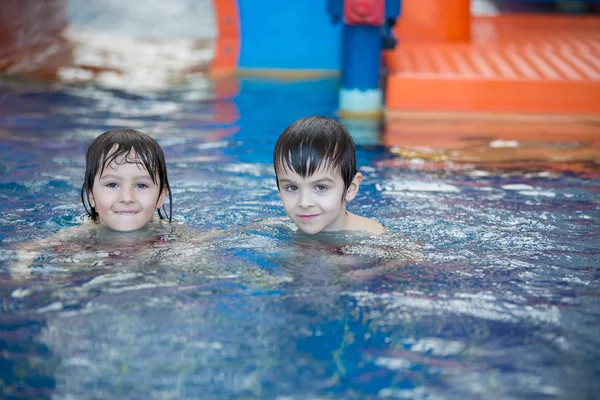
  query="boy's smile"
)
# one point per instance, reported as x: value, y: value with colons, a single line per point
x: 308, y: 217
x: 315, y: 203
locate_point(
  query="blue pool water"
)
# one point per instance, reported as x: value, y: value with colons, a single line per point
x: 486, y: 287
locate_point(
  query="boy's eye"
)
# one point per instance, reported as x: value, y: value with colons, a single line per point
x: 142, y: 185
x: 321, y: 188
x: 111, y: 185
x: 291, y: 188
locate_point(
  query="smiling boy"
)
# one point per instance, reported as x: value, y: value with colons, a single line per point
x: 315, y: 167
x: 125, y: 180
x: 125, y: 196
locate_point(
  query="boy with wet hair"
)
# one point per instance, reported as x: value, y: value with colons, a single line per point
x: 125, y: 180
x: 315, y: 167
x: 125, y: 184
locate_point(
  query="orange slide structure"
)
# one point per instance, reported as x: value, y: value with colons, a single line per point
x: 449, y: 61
x: 509, y: 91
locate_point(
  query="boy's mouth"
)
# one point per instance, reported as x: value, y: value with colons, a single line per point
x: 126, y: 213
x: 308, y: 217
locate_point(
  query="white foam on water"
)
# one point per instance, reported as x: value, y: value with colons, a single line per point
x: 479, y: 305
x: 119, y: 277
x: 20, y: 293
x: 393, y: 363
x: 543, y: 193
x: 416, y: 186
x: 56, y: 306
x: 517, y: 186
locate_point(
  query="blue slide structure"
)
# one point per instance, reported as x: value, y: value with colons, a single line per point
x: 316, y: 37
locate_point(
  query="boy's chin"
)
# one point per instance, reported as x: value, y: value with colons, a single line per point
x: 308, y: 230
x: 123, y: 229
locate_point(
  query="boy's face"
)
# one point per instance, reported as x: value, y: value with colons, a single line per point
x: 315, y: 203
x: 125, y: 196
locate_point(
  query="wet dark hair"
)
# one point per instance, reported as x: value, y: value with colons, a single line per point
x: 314, y: 142
x: 117, y: 146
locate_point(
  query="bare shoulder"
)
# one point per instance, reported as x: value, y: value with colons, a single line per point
x: 26, y: 252
x: 64, y: 235
x: 373, y: 226
x: 358, y: 223
x: 72, y: 233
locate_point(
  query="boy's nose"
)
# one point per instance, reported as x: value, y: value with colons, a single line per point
x: 126, y: 195
x: 305, y: 200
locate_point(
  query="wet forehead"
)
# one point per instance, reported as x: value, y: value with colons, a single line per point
x: 116, y: 165
x: 323, y: 173
x: 125, y: 162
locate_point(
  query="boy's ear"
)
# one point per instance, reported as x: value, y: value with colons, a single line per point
x: 91, y: 198
x: 162, y: 197
x: 353, y: 188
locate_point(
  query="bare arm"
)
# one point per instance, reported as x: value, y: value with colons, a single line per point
x: 27, y: 252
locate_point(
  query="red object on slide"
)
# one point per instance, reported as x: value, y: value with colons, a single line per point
x: 364, y: 12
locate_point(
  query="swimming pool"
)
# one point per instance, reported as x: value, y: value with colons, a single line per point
x: 505, y: 303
